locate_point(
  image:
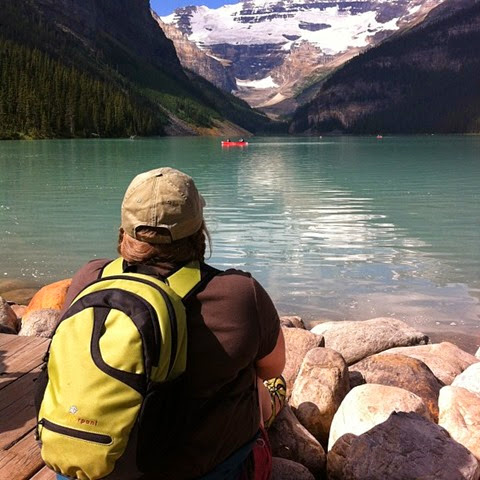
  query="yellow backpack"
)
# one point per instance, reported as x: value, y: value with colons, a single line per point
x: 113, y: 379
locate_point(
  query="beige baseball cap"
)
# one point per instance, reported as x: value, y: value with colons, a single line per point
x: 163, y: 198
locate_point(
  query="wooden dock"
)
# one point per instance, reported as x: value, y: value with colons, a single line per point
x: 20, y: 362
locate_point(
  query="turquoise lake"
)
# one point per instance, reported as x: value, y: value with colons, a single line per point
x: 335, y: 228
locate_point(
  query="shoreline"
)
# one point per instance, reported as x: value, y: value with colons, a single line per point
x: 21, y: 291
x: 261, y: 134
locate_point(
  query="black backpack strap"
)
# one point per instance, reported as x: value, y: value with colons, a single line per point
x: 119, y: 266
x: 143, y: 269
x: 207, y: 273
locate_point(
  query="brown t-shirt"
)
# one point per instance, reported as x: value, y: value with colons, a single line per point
x: 232, y: 323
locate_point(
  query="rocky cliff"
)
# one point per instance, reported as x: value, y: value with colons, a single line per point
x: 424, y: 80
x: 195, y: 59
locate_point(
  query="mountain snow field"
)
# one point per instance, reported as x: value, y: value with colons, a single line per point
x: 333, y: 29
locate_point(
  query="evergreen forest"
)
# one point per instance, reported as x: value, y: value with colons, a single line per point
x: 42, y: 98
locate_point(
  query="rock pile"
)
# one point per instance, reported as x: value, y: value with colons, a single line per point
x: 377, y: 402
x: 41, y: 315
x: 366, y: 400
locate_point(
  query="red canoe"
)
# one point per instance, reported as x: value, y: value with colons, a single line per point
x: 234, y: 144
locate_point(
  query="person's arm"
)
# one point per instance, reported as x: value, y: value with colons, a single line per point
x: 270, y: 359
x: 273, y: 364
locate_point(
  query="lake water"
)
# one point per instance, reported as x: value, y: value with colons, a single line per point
x: 334, y: 228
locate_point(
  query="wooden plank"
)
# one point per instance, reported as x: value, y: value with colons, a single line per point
x: 16, y: 349
x: 17, y: 412
x: 20, y: 360
x: 11, y: 345
x: 16, y: 467
x: 21, y: 387
x: 23, y: 360
x: 19, y: 343
x: 8, y: 462
x: 44, y: 474
x: 5, y: 339
x: 22, y: 461
x: 28, y: 446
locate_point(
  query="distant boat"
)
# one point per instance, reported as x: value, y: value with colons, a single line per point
x: 133, y: 137
x: 379, y: 137
x: 234, y: 144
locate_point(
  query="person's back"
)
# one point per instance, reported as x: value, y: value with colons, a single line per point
x: 234, y: 335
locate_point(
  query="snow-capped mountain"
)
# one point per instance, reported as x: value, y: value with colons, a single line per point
x: 273, y: 46
x: 334, y: 26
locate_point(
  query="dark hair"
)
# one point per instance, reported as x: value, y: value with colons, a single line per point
x: 138, y: 250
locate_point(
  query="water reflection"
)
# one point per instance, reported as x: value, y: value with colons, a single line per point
x: 339, y: 229
x: 356, y: 251
x: 303, y: 217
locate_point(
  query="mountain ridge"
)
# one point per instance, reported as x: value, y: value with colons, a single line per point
x: 423, y: 81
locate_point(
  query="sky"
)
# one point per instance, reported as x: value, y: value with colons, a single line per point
x: 166, y: 7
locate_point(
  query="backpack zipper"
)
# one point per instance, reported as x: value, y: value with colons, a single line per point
x: 73, y: 432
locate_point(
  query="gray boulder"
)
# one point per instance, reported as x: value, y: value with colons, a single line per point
x: 9, y: 322
x: 297, y: 343
x: 283, y: 469
x: 469, y: 378
x: 369, y: 405
x: 404, y: 447
x: 403, y: 372
x: 291, y: 440
x: 7, y: 330
x: 445, y: 359
x: 292, y: 321
x: 318, y: 391
x: 357, y: 340
x: 40, y: 323
x: 19, y: 311
x: 460, y: 416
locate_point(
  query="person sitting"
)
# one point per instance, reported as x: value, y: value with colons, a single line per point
x: 235, y: 342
